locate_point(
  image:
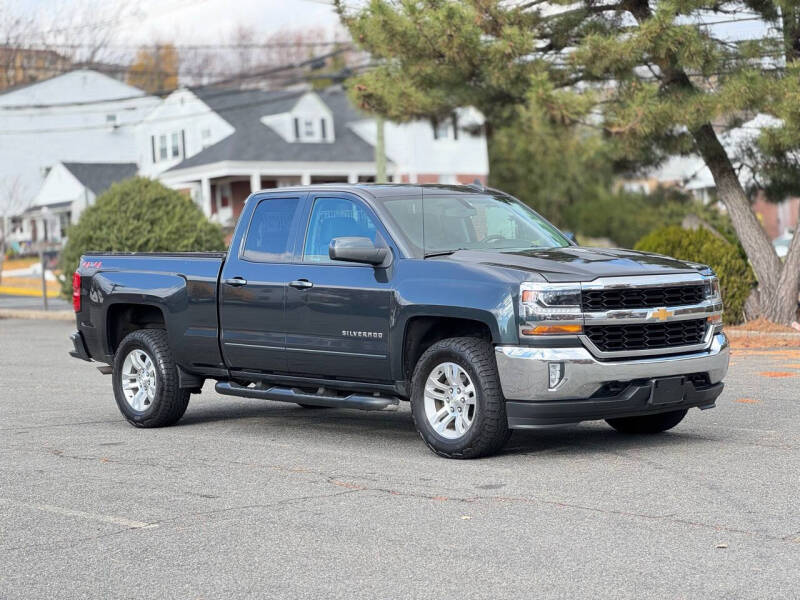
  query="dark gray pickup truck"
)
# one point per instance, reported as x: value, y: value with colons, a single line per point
x: 459, y: 299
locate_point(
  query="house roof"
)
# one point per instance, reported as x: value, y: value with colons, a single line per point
x: 98, y: 177
x: 254, y: 141
x: 51, y: 207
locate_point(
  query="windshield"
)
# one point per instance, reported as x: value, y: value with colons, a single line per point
x: 453, y: 222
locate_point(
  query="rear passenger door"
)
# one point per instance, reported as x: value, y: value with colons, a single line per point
x: 253, y: 283
x: 337, y: 313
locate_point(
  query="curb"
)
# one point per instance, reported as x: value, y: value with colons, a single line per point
x: 42, y: 315
x: 29, y: 292
x: 746, y: 333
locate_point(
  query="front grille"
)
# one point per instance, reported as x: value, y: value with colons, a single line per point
x: 647, y: 336
x: 653, y: 297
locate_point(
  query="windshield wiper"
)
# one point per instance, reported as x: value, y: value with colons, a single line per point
x: 443, y: 252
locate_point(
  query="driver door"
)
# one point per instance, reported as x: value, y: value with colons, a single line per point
x: 337, y: 314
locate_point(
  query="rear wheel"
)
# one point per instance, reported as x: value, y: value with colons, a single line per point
x: 145, y: 380
x: 648, y: 423
x: 456, y: 401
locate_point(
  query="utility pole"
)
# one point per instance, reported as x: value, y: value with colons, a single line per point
x: 380, y: 152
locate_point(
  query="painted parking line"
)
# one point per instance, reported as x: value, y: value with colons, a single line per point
x: 90, y: 516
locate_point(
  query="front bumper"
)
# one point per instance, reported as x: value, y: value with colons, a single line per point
x: 523, y: 372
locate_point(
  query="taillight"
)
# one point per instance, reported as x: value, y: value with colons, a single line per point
x: 76, y: 291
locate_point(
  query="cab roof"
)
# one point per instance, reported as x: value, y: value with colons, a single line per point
x: 383, y: 190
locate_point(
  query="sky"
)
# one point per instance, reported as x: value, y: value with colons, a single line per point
x: 201, y: 21
x: 209, y: 21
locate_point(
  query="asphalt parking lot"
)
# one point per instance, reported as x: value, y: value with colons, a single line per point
x: 267, y: 500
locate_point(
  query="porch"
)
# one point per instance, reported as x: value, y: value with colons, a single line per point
x: 221, y: 190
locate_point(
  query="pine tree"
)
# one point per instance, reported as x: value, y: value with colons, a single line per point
x: 650, y: 74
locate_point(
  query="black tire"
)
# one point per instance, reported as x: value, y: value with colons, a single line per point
x: 648, y: 423
x: 489, y: 430
x: 170, y: 401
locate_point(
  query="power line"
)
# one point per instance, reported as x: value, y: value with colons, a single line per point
x: 231, y: 79
x: 220, y: 46
x: 220, y: 110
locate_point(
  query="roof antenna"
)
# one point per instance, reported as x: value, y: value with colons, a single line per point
x: 477, y: 184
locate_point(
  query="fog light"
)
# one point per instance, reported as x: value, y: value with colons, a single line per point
x: 556, y: 372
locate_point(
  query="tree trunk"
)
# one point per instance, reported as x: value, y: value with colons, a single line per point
x: 778, y: 283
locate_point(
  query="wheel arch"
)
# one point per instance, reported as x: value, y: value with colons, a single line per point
x: 123, y: 318
x: 422, y: 331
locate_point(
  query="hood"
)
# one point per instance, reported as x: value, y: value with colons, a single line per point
x: 575, y: 263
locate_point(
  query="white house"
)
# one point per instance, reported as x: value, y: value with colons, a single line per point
x: 68, y: 138
x: 68, y: 189
x: 222, y: 144
x: 80, y: 116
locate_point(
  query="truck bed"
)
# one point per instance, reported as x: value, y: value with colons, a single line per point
x: 181, y: 286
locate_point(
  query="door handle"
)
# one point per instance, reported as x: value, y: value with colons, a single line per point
x: 236, y: 281
x: 301, y: 284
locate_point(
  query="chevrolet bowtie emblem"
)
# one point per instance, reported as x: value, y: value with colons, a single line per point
x: 662, y: 314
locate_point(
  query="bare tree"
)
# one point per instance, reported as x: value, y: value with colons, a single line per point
x: 18, y: 64
x: 245, y: 57
x: 86, y: 31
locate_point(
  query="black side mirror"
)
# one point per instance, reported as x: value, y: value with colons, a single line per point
x: 359, y: 250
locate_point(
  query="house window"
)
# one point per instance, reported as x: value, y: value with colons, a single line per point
x: 168, y: 146
x: 441, y: 129
x: 112, y: 119
x: 225, y: 195
x: 296, y: 128
x: 322, y: 129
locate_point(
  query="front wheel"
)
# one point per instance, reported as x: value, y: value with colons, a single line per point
x: 456, y: 401
x: 648, y: 423
x: 145, y: 380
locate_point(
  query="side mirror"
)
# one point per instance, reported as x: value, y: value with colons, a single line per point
x: 571, y: 237
x: 359, y: 250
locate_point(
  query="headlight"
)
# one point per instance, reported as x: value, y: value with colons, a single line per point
x: 712, y: 289
x: 712, y: 293
x: 550, y: 309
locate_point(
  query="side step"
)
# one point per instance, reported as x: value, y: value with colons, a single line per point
x: 283, y: 394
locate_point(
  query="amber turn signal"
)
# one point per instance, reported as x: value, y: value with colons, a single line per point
x: 554, y: 329
x: 714, y: 319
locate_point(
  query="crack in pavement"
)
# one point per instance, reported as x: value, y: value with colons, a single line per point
x: 341, y: 481
x: 562, y: 504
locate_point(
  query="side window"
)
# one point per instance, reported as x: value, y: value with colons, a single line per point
x: 268, y: 235
x: 332, y: 218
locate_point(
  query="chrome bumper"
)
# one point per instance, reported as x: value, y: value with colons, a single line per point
x: 523, y: 370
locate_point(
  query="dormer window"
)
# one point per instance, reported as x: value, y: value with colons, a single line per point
x: 311, y: 129
x: 310, y: 121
